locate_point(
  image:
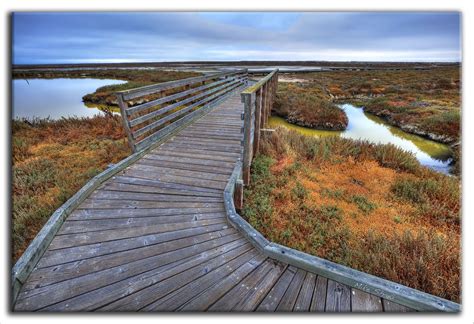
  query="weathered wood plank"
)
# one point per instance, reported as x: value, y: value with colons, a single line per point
x: 127, y: 187
x: 126, y: 213
x: 61, y: 291
x: 190, y: 160
x: 159, y: 171
x: 204, y: 300
x: 66, y: 271
x: 161, y: 184
x: 177, y: 179
x: 108, y: 295
x: 318, y: 303
x: 254, y: 296
x: 176, y: 299
x: 273, y: 298
x: 70, y: 240
x: 303, y: 302
x: 148, y: 196
x: 364, y: 302
x: 199, y: 154
x: 242, y: 290
x: 83, y: 226
x: 288, y: 300
x: 338, y: 298
x: 187, y: 166
x: 392, y: 307
x: 154, y: 292
x: 83, y: 252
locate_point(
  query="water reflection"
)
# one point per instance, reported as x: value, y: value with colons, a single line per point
x: 371, y: 128
x: 54, y: 98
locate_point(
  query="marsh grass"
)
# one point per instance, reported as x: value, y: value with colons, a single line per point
x: 370, y: 207
x: 307, y: 106
x: 52, y: 159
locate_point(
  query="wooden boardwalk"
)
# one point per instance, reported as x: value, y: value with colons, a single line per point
x: 155, y: 237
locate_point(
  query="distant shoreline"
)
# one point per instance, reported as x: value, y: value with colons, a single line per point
x: 237, y: 63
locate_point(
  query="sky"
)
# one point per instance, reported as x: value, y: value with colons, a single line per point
x: 48, y: 38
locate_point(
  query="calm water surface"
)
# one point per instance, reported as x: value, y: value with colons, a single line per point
x: 368, y: 127
x: 54, y: 98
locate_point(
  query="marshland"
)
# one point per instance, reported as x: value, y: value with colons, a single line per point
x: 322, y: 183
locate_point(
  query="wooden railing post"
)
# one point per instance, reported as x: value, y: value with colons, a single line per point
x: 248, y: 100
x: 123, y: 111
x: 239, y: 194
x: 264, y: 103
x: 257, y: 100
x: 258, y: 120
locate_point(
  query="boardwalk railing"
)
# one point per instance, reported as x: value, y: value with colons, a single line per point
x: 151, y: 112
x: 258, y: 100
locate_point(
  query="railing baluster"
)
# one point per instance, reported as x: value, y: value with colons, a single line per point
x: 258, y: 100
x: 123, y: 108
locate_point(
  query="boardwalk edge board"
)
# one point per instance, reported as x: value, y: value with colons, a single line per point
x: 380, y: 287
x: 28, y: 260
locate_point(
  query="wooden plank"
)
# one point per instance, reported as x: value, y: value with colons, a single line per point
x: 204, y: 300
x: 200, y: 139
x: 66, y: 271
x: 101, y: 214
x: 303, y: 302
x: 125, y: 187
x: 129, y: 179
x: 187, y: 166
x: 254, y: 296
x: 70, y: 240
x: 177, y: 298
x: 83, y: 226
x: 242, y: 290
x: 272, y: 299
x: 199, y: 154
x: 83, y: 252
x: 140, y: 275
x: 177, y: 179
x: 202, y: 146
x: 364, y: 302
x: 122, y: 204
x: 338, y: 298
x: 289, y: 298
x: 157, y: 170
x: 190, y: 160
x: 318, y: 303
x: 154, y: 292
x: 148, y: 196
x: 61, y: 291
x: 392, y: 307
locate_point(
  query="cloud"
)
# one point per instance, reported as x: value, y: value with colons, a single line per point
x: 115, y: 37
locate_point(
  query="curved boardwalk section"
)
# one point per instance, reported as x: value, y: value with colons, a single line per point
x: 155, y: 237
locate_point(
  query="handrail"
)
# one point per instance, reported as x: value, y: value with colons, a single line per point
x: 161, y: 108
x: 258, y: 100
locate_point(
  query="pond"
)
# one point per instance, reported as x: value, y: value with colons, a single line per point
x: 54, y: 98
x: 368, y: 127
